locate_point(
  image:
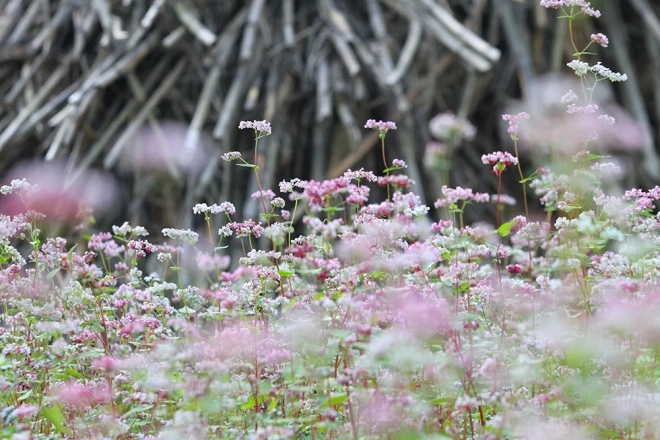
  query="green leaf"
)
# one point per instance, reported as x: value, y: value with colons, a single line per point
x: 248, y: 165
x: 52, y: 273
x: 336, y: 399
x: 25, y: 395
x: 137, y: 409
x: 505, y: 228
x: 55, y: 416
x: 249, y: 404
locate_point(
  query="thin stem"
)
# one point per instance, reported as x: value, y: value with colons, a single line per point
x: 387, y: 173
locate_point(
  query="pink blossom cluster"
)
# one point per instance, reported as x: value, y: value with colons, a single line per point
x: 262, y: 128
x: 453, y: 195
x: 500, y: 160
x: 381, y: 126
x: 514, y: 120
x: 584, y: 5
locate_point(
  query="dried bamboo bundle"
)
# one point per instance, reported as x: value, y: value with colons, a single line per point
x: 83, y: 80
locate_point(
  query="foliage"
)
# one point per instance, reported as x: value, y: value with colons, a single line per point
x: 362, y: 320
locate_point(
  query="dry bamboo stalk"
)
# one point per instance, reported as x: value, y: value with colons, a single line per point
x: 345, y: 53
x: 288, y: 32
x: 151, y: 14
x: 125, y: 63
x: 519, y: 44
x: 9, y: 16
x: 460, y: 32
x: 231, y: 103
x: 476, y: 60
x: 250, y: 34
x: 45, y: 110
x: 407, y: 52
x: 323, y: 92
x: 7, y: 135
x: 190, y: 19
x: 369, y: 141
x: 40, y: 41
x: 97, y: 148
x: 632, y: 95
x: 25, y: 22
x: 27, y: 73
x: 330, y: 12
x: 158, y: 94
x: 648, y: 15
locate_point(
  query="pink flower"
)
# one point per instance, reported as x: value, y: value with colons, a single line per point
x: 261, y: 128
x: 381, y: 126
x: 105, y: 363
x: 600, y: 39
x: 514, y: 120
x: 448, y: 127
x: 500, y: 160
x: 83, y: 396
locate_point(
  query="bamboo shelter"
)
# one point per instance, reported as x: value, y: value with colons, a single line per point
x: 153, y: 90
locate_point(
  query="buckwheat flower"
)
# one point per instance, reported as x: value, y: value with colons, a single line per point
x: 603, y: 71
x: 600, y: 39
x: 265, y: 194
x: 448, y: 127
x: 290, y: 185
x: 503, y: 199
x: 607, y: 170
x: 126, y: 229
x: 399, y: 163
x: 500, y: 160
x: 277, y: 202
x: 361, y: 174
x: 552, y: 4
x: 181, y: 235
x: 585, y: 6
x: 514, y: 120
x: 382, y: 127
x: 261, y: 128
x: 224, y: 208
x: 569, y: 98
x: 606, y: 120
x: 579, y: 67
x: 23, y: 411
x: 232, y: 155
x: 201, y: 208
x: 16, y: 185
x: 105, y: 363
x: 163, y: 256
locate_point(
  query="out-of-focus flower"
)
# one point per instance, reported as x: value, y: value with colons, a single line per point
x: 600, y: 39
x: 60, y: 200
x: 382, y: 126
x: 261, y: 128
x: 448, y: 127
x: 169, y: 146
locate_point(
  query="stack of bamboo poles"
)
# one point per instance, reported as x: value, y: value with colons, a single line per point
x: 80, y: 81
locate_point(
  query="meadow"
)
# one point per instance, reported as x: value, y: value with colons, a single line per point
x: 346, y: 317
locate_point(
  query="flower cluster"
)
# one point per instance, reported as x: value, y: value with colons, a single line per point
x: 584, y: 5
x: 581, y: 69
x: 500, y: 160
x: 382, y: 127
x: 261, y: 128
x: 447, y: 127
x: 514, y: 120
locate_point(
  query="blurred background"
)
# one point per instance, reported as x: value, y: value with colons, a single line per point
x: 131, y: 103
